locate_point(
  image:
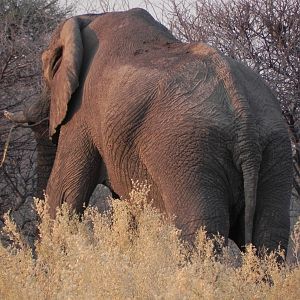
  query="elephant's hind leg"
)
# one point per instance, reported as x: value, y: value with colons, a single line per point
x: 271, y: 223
x: 204, y: 207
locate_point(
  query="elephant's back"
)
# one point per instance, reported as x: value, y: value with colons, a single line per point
x: 189, y: 93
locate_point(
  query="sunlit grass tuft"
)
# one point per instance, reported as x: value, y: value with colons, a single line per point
x: 133, y: 252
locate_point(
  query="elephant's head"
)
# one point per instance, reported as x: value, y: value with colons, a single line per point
x: 61, y: 63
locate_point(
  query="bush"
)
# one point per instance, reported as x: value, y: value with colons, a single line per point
x: 133, y: 252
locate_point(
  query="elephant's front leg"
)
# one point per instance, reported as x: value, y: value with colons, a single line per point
x: 76, y: 171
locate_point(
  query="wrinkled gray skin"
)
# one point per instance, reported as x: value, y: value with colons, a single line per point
x: 202, y: 129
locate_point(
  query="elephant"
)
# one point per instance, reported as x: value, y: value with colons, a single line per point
x: 130, y: 102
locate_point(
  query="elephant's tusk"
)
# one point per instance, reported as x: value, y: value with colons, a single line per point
x: 18, y: 117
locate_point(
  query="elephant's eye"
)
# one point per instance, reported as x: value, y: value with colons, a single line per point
x: 56, y: 61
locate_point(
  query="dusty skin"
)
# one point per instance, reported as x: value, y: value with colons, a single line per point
x: 105, y: 257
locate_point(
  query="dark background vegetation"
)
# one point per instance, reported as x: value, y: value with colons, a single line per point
x: 263, y: 34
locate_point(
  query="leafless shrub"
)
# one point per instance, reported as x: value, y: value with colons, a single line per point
x: 101, y: 6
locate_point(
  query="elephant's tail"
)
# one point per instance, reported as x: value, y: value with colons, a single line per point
x: 250, y: 170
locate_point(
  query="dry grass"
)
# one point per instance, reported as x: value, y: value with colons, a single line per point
x: 112, y: 257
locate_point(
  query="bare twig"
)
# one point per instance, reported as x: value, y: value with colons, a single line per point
x: 7, y: 145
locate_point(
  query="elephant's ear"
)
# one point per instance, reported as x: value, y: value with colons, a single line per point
x: 61, y: 67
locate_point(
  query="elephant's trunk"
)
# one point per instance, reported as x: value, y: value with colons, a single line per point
x: 46, y: 150
x: 17, y: 117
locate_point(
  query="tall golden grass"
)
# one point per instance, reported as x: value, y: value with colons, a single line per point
x: 113, y: 257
